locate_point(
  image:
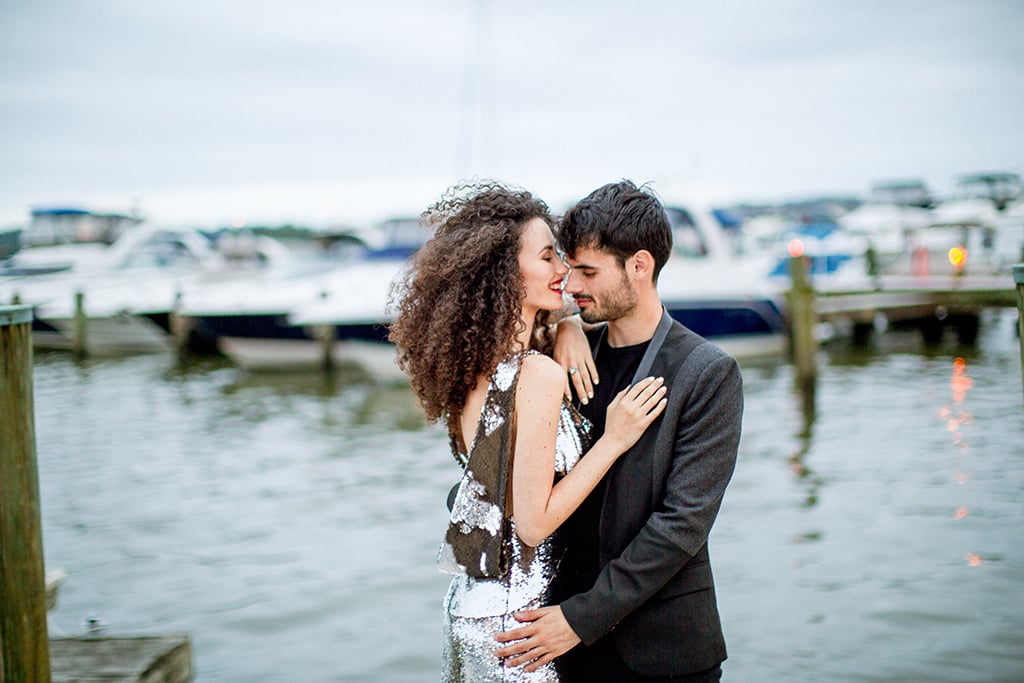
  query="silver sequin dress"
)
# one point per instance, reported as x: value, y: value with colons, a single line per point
x: 498, y: 575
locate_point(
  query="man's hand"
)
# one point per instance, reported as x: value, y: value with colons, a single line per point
x: 546, y: 635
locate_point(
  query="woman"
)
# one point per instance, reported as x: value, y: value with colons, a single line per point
x: 472, y: 316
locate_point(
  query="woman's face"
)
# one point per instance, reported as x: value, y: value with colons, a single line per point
x: 541, y: 267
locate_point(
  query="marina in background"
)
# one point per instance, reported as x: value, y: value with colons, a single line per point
x: 801, y: 297
x: 289, y: 522
x: 288, y: 298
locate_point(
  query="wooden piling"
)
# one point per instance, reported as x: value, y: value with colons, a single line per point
x: 24, y: 646
x: 1018, y: 279
x: 327, y: 338
x: 80, y: 336
x: 803, y: 316
x: 180, y: 326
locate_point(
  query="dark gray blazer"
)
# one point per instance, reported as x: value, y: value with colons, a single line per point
x: 655, y: 593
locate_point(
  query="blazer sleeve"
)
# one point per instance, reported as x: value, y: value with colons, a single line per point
x: 708, y: 409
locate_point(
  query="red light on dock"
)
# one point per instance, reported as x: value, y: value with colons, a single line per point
x: 796, y: 248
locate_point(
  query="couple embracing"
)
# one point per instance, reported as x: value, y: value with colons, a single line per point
x: 578, y: 532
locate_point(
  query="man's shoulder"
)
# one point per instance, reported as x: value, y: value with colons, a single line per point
x: 681, y: 338
x: 681, y: 343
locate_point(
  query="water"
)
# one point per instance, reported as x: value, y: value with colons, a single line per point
x: 289, y: 524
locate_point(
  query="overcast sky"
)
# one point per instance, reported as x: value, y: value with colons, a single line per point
x: 333, y: 111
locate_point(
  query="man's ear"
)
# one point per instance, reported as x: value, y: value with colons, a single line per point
x: 643, y: 265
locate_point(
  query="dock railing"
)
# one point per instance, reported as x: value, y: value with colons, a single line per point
x: 24, y: 643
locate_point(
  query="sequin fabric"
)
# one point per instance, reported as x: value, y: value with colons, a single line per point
x: 480, y: 603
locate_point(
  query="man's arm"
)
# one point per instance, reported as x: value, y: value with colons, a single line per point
x: 706, y: 441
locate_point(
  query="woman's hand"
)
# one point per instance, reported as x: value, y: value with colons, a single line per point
x: 572, y: 352
x: 633, y: 410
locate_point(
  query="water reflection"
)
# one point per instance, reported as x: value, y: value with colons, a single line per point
x: 810, y: 482
x: 955, y: 418
x: 348, y: 394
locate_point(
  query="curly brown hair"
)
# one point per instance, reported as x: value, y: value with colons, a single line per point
x: 457, y: 308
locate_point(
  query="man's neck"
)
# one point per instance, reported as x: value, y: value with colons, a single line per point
x: 638, y: 326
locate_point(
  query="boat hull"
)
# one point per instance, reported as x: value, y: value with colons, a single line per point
x: 743, y: 328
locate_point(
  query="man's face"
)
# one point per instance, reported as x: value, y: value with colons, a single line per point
x: 600, y: 286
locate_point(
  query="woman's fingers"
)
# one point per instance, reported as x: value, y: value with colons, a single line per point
x: 591, y: 379
x: 647, y: 388
x: 656, y: 409
x: 643, y: 397
x: 583, y: 383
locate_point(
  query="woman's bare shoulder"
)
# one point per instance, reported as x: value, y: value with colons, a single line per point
x: 541, y: 372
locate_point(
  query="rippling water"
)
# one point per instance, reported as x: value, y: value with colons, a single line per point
x: 289, y: 524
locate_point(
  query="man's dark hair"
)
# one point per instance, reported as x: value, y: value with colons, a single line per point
x: 621, y: 219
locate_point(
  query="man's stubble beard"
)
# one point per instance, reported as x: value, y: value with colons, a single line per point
x: 613, y: 306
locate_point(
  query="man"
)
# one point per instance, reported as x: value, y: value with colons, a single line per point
x: 635, y: 597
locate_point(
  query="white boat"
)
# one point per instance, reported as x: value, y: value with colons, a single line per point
x: 977, y: 231
x: 340, y: 319
x: 127, y: 295
x: 704, y: 285
x: 984, y: 215
x: 1010, y: 236
x: 951, y: 246
x: 717, y: 292
x: 252, y: 322
x: 892, y: 211
x: 303, y: 321
x: 248, y: 321
x: 62, y: 238
x: 10, y: 242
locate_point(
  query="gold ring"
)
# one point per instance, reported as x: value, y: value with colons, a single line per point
x: 572, y: 371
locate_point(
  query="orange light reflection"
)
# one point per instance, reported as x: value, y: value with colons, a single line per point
x: 960, y: 383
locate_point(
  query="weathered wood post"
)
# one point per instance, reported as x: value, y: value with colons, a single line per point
x: 802, y: 316
x: 1018, y: 278
x: 326, y: 333
x: 80, y: 334
x: 180, y: 326
x: 24, y: 644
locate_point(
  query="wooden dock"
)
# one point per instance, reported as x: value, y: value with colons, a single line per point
x: 909, y: 298
x: 928, y: 303
x: 140, y: 659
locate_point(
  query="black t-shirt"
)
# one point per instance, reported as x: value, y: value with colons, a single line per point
x: 615, y: 367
